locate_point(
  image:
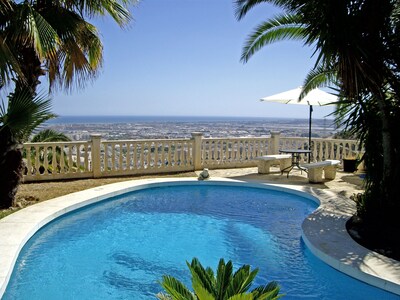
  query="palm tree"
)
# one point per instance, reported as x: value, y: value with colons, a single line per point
x: 226, y: 284
x: 54, y: 38
x: 51, y: 38
x: 356, y: 43
x: 17, y: 121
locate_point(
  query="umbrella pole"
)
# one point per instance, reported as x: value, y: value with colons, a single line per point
x: 309, y: 134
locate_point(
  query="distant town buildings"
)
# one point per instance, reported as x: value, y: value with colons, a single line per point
x: 169, y: 130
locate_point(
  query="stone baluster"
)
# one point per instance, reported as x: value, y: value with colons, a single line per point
x: 62, y: 159
x: 46, y: 160
x: 70, y: 161
x: 120, y: 156
x: 206, y: 150
x: 128, y: 156
x: 85, y: 157
x: 255, y: 147
x: 113, y: 168
x: 53, y: 159
x: 156, y: 154
x: 28, y: 160
x: 162, y: 155
x: 184, y: 154
x: 78, y: 157
x: 143, y: 155
x: 323, y: 147
x: 169, y: 145
x: 180, y: 154
x: 135, y: 159
x: 149, y: 155
x: 215, y: 149
x: 236, y: 149
x: 37, y: 153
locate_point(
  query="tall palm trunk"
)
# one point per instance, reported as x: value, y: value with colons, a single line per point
x: 11, y: 158
x: 386, y: 191
x: 386, y: 148
x: 11, y: 166
x: 31, y: 69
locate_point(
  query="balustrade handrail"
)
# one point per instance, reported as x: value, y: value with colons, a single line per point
x: 235, y: 138
x: 55, y: 143
x: 104, y: 158
x: 144, y: 140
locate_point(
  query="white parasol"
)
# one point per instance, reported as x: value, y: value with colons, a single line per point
x: 314, y: 97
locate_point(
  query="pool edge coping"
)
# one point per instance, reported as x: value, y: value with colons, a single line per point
x: 336, y: 248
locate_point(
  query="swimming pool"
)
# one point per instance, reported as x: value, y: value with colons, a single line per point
x: 121, y: 247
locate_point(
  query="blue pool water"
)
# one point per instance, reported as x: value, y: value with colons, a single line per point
x: 120, y: 248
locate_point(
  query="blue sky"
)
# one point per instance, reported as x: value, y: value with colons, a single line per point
x: 182, y: 57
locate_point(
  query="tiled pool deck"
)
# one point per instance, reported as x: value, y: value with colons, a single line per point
x: 324, y: 231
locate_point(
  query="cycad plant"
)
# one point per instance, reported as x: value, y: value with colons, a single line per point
x: 225, y: 285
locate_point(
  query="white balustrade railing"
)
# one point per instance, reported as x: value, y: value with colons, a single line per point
x: 58, y: 160
x: 146, y: 156
x: 322, y: 149
x: 102, y: 158
x: 334, y: 149
x: 232, y: 152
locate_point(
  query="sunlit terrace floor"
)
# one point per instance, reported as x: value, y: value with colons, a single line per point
x: 345, y: 184
x: 324, y: 231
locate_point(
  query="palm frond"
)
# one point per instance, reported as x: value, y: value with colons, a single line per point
x: 79, y: 56
x: 241, y: 297
x: 176, y: 288
x: 224, y: 277
x: 8, y: 63
x: 242, y: 7
x: 118, y: 10
x: 201, y: 292
x: 5, y: 6
x: 201, y: 275
x: 25, y: 113
x: 93, y: 46
x: 210, y: 274
x: 269, y: 291
x: 242, y: 280
x: 50, y: 135
x: 281, y: 27
x: 30, y: 28
x: 319, y: 77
